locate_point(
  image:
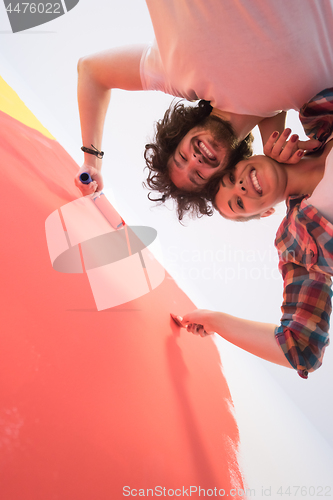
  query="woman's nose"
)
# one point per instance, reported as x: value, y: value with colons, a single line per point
x: 241, y: 186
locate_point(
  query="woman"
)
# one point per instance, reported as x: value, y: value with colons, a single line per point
x: 305, y: 245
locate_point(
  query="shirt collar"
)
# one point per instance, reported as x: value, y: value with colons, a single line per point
x: 292, y: 201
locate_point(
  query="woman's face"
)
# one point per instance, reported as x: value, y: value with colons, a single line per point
x: 253, y: 188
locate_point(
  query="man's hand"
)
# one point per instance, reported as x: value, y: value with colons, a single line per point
x: 97, y: 180
x: 289, y: 151
x: 199, y: 322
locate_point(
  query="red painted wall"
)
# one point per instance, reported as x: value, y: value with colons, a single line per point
x: 95, y: 401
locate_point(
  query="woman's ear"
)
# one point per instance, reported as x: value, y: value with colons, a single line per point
x: 268, y: 212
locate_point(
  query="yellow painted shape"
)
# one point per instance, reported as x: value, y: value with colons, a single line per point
x: 12, y: 105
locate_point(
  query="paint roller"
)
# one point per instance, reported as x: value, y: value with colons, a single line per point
x: 103, y: 205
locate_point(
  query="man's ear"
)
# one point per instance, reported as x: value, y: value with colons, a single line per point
x: 268, y: 212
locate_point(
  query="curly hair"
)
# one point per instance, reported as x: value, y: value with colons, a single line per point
x: 242, y: 152
x: 178, y: 120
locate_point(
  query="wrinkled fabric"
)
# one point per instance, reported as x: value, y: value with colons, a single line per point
x: 248, y: 57
x: 304, y: 242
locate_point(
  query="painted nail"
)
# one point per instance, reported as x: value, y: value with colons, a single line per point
x: 275, y: 134
x: 300, y: 153
x: 294, y: 138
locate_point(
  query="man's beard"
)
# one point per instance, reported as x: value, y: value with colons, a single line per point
x: 221, y: 131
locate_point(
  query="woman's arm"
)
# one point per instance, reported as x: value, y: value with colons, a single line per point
x: 97, y: 75
x: 254, y: 337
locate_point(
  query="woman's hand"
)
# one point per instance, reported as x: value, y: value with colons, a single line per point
x: 97, y: 180
x: 199, y: 322
x: 289, y: 151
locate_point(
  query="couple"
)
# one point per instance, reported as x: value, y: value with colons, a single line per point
x: 249, y: 60
x: 252, y: 60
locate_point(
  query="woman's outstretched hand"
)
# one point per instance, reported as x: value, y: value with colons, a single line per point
x: 285, y: 150
x: 199, y: 322
x: 97, y: 180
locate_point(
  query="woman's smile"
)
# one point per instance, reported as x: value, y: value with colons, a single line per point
x: 257, y: 184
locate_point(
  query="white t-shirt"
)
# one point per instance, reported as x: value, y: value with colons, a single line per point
x: 252, y: 57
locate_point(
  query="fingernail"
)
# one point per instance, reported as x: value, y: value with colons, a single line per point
x: 287, y: 131
x: 300, y: 153
x: 294, y: 138
x: 275, y: 134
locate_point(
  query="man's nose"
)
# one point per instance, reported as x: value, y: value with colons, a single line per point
x: 196, y: 159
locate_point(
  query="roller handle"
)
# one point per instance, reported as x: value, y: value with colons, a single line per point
x: 103, y: 204
x: 85, y: 178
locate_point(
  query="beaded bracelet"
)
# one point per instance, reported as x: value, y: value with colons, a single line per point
x: 94, y: 151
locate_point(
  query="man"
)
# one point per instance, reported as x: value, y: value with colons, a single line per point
x: 249, y: 59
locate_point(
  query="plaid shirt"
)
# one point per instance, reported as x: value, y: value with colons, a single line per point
x: 305, y: 245
x: 316, y: 117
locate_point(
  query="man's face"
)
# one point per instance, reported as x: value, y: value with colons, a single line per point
x: 253, y: 188
x: 200, y: 154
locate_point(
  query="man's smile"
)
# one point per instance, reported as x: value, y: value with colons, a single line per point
x: 206, y: 151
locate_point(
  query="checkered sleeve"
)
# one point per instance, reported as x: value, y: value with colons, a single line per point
x: 316, y: 116
x: 305, y: 245
x: 306, y: 309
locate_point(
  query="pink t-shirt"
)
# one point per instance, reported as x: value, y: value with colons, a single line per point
x: 252, y: 57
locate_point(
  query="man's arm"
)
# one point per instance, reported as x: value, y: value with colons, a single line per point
x: 269, y: 125
x: 97, y: 75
